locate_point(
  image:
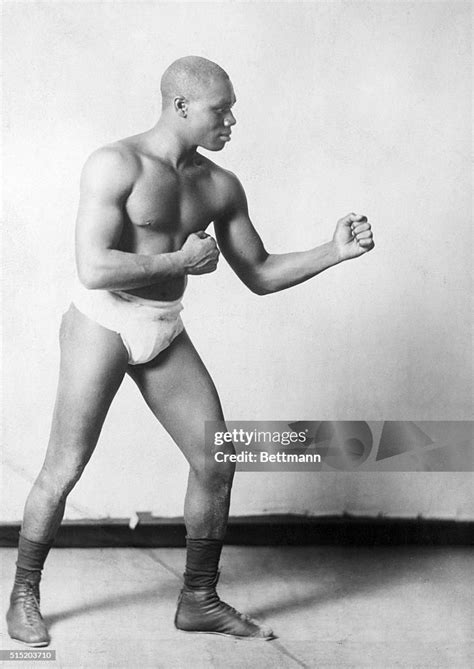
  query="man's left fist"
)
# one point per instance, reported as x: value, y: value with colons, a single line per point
x: 353, y: 236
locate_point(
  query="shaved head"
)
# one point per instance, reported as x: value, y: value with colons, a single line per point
x: 188, y: 77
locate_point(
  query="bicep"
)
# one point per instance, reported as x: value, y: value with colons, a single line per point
x: 105, y: 185
x: 238, y: 239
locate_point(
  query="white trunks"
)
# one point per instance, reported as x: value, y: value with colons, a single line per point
x: 146, y: 327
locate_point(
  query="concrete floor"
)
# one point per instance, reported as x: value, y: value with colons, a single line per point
x: 330, y: 606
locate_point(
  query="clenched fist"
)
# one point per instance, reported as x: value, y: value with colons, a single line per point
x: 200, y: 253
x: 353, y: 236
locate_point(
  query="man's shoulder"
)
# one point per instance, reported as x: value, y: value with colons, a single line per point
x: 227, y: 181
x: 117, y: 154
x: 117, y: 158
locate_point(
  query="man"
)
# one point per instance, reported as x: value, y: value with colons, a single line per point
x: 145, y: 204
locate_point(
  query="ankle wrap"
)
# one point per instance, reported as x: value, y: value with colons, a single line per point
x: 31, y: 554
x: 202, y: 560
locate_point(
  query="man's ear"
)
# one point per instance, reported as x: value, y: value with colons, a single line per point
x: 181, y: 106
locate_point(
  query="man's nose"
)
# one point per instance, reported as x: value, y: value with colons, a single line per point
x: 230, y: 119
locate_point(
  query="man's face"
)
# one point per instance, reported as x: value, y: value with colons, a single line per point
x: 210, y: 118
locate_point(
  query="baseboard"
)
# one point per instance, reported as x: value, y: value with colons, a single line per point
x: 286, y: 530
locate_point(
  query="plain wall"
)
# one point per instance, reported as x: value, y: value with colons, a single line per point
x: 342, y: 107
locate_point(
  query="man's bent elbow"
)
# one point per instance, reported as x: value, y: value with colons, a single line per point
x: 261, y: 280
x: 89, y: 278
x: 259, y: 289
x: 260, y: 286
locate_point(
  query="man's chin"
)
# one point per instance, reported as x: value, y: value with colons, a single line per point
x: 214, y: 146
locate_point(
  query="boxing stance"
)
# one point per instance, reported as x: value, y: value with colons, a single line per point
x: 145, y: 204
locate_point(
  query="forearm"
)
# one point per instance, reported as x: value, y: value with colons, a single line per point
x: 280, y: 271
x: 117, y: 270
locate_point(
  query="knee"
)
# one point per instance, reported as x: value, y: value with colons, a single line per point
x: 215, y: 470
x: 58, y: 481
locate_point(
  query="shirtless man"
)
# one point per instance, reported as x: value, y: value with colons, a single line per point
x: 145, y: 204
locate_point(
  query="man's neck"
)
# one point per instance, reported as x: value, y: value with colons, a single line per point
x: 163, y: 141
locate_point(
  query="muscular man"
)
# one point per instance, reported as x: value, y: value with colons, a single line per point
x: 145, y: 204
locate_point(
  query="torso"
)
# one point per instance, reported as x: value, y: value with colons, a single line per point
x: 165, y: 207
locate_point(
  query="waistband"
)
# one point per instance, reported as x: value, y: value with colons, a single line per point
x: 145, y: 302
x: 82, y: 292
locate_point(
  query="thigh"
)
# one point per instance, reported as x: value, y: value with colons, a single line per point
x: 92, y: 366
x: 179, y: 390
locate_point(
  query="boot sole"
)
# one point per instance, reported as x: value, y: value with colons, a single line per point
x: 229, y: 636
x: 34, y: 644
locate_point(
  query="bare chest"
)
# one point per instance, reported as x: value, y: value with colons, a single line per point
x: 172, y: 205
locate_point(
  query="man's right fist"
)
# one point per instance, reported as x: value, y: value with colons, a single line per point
x: 200, y: 253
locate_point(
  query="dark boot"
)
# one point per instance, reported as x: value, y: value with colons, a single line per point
x: 25, y: 622
x: 201, y: 610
